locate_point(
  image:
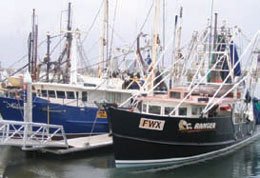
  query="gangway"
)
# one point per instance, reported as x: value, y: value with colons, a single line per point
x: 32, y: 136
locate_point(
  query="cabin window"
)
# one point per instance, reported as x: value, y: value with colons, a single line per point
x: 113, y: 97
x: 89, y: 85
x: 139, y: 106
x: 70, y: 95
x: 60, y: 94
x: 155, y: 109
x: 117, y: 97
x: 51, y: 94
x: 176, y: 95
x: 84, y: 96
x: 38, y: 93
x: 195, y: 111
x: 44, y: 93
x: 12, y: 95
x: 144, y: 108
x: 182, y: 111
x: 21, y: 93
x: 110, y: 97
x: 168, y: 110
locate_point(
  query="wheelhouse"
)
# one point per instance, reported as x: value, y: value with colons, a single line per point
x: 179, y: 103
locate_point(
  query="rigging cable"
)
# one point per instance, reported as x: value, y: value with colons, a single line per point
x: 112, y: 33
x: 146, y: 19
x: 93, y: 22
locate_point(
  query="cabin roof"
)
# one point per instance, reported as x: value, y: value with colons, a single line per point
x: 194, y: 100
x: 60, y: 86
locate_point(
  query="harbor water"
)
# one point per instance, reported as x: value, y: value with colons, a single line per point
x: 15, y: 163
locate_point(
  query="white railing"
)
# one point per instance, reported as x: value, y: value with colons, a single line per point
x: 29, y: 135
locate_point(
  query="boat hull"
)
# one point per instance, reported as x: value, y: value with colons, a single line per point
x: 179, y: 140
x: 75, y: 120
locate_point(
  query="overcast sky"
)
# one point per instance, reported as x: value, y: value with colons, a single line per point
x: 15, y: 20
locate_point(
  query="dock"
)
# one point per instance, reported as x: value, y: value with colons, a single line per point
x: 81, y: 144
x: 30, y: 136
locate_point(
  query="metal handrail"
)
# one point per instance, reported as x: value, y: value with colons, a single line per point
x: 30, y: 135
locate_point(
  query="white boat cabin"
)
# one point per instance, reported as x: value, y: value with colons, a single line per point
x: 191, y: 106
x: 77, y: 95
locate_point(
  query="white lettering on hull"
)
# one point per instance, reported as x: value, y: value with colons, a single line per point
x: 188, y: 127
x: 205, y: 126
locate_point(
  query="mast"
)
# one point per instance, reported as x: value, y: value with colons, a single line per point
x: 164, y: 13
x: 32, y: 48
x: 176, y: 54
x: 106, y: 30
x: 34, y: 77
x: 47, y: 59
x: 214, y: 74
x: 155, y: 46
x: 74, y: 57
x: 104, y: 41
x: 59, y: 69
x: 210, y: 35
x: 215, y: 31
x: 179, y: 33
x: 174, y: 49
x: 68, y: 46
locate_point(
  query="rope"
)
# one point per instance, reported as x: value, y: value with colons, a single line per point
x: 82, y: 53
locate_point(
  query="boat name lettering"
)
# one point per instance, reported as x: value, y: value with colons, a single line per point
x: 188, y: 127
x: 14, y: 106
x: 151, y: 124
x: 205, y: 125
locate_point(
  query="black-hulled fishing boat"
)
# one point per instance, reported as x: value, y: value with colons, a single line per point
x: 208, y: 113
x: 152, y: 136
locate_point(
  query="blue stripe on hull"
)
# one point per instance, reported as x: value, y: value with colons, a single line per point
x: 75, y: 120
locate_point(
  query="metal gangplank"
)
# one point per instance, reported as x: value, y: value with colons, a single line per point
x: 32, y: 136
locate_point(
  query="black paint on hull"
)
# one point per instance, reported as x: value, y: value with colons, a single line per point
x: 134, y: 144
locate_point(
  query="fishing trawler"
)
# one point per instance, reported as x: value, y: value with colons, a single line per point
x: 208, y: 113
x: 61, y: 96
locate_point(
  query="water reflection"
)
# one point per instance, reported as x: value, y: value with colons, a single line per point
x: 15, y: 164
